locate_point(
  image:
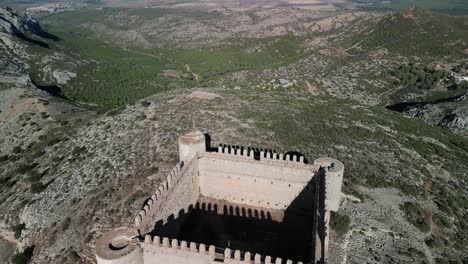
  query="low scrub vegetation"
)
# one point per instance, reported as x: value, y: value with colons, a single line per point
x: 417, y: 216
x: 37, y: 187
x: 23, y: 257
x: 414, y: 75
x: 421, y: 32
x: 340, y: 223
x: 17, y: 229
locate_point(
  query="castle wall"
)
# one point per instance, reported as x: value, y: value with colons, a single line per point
x: 232, y: 175
x: 183, y: 194
x: 174, y: 196
x: 157, y: 251
x: 238, y: 178
x: 163, y: 250
x: 133, y: 257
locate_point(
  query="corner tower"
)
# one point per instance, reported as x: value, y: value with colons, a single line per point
x: 334, y: 179
x: 119, y: 246
x: 191, y: 144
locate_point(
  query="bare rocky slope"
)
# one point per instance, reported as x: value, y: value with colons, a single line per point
x: 450, y: 114
x: 27, y: 113
x: 15, y: 24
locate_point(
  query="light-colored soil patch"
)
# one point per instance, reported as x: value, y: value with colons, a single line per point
x: 202, y: 95
x: 7, y: 246
x: 21, y: 105
x: 312, y: 88
x: 7, y: 249
x: 195, y: 75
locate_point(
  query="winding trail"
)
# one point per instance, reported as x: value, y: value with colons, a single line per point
x: 431, y: 208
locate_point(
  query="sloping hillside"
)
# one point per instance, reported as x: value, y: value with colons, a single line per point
x: 458, y: 7
x: 67, y: 176
x: 417, y: 32
x: 92, y: 178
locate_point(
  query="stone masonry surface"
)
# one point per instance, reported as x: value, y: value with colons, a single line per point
x: 230, y: 175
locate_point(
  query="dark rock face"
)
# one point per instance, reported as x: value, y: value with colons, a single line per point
x: 450, y: 113
x: 455, y: 121
x: 18, y: 25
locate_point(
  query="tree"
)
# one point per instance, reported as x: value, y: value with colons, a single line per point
x: 17, y: 229
x: 340, y: 223
x: 463, y: 85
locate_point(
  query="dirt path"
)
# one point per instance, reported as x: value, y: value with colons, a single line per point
x: 8, y: 245
x: 350, y: 48
x: 430, y: 210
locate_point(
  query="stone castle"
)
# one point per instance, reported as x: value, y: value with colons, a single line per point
x: 232, y: 205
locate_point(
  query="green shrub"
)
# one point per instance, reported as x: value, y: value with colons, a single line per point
x: 416, y: 215
x: 153, y: 170
x: 3, y: 158
x: 65, y: 224
x: 339, y: 222
x: 20, y: 258
x: 44, y: 115
x: 17, y: 150
x: 5, y: 179
x: 414, y: 75
x: 433, y: 242
x: 78, y: 150
x: 17, y: 229
x: 13, y: 158
x: 37, y: 187
x: 145, y: 103
x: 23, y: 257
x: 25, y: 167
x: 141, y: 117
x: 34, y: 176
x: 52, y: 141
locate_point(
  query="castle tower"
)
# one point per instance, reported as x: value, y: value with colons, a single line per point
x: 119, y: 246
x: 190, y: 144
x: 333, y: 181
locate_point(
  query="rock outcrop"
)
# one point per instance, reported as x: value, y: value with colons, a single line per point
x: 15, y: 24
x: 450, y: 113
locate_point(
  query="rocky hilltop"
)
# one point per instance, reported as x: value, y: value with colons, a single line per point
x: 15, y: 24
x: 25, y: 45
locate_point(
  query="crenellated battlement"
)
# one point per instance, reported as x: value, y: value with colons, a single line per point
x: 236, y: 256
x: 181, y: 246
x: 261, y: 154
x: 278, y: 192
x: 153, y: 206
x: 226, y: 255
